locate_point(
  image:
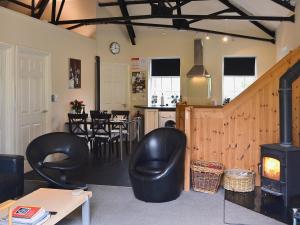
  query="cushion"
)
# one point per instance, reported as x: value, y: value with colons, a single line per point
x: 151, y: 167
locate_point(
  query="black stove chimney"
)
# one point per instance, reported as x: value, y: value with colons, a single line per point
x: 285, y: 104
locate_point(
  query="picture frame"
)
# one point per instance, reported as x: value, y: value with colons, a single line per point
x: 74, y: 73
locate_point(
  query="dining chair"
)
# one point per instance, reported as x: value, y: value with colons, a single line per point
x: 78, y: 126
x: 122, y: 116
x: 101, y: 132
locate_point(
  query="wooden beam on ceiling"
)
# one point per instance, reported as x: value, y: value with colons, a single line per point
x: 285, y: 4
x: 32, y: 7
x: 20, y: 3
x: 242, y: 13
x: 272, y: 40
x: 137, y: 2
x: 187, y: 29
x: 42, y: 6
x: 178, y: 7
x: 75, y: 26
x: 129, y: 27
x: 180, y: 4
x: 212, y: 14
x: 60, y: 10
x: 142, y: 17
x: 53, y: 12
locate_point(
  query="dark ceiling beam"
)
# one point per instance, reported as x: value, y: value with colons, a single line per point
x: 255, y: 23
x: 179, y: 4
x: 20, y: 4
x: 42, y: 6
x: 168, y: 3
x: 129, y: 28
x: 285, y: 5
x: 32, y: 7
x: 178, y: 7
x: 38, y: 5
x: 137, y: 2
x: 211, y: 17
x: 187, y: 29
x: 60, y: 10
x: 53, y: 12
x: 212, y: 14
x: 75, y: 26
x: 272, y: 40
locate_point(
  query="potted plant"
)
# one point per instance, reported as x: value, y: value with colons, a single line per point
x: 77, y: 106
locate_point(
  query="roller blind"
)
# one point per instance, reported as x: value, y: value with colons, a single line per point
x: 165, y: 67
x: 239, y: 66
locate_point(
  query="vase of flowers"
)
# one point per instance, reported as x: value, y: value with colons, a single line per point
x: 77, y: 106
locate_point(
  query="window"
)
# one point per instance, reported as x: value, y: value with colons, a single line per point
x: 164, y: 80
x: 238, y: 74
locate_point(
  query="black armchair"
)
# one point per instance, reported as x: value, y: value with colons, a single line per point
x: 11, y: 176
x: 73, y: 147
x: 156, y: 167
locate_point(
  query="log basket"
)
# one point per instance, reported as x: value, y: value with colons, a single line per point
x: 206, y: 176
x: 239, y: 180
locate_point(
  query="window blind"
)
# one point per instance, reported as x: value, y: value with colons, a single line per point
x: 239, y: 66
x: 165, y: 67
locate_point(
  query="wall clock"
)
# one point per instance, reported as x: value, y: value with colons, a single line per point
x: 114, y: 48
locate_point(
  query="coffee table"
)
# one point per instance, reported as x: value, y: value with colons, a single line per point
x: 58, y: 200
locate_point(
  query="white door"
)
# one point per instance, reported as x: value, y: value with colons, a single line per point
x: 31, y: 91
x: 114, y: 92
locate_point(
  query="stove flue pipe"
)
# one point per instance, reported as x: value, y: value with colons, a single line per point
x: 285, y: 104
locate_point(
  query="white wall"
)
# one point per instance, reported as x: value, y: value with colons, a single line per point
x: 21, y: 30
x: 288, y: 35
x: 170, y: 43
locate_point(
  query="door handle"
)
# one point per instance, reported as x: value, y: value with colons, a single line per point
x: 44, y: 111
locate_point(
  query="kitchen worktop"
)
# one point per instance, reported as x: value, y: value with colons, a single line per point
x: 159, y: 107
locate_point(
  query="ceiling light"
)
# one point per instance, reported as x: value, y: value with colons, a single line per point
x: 225, y: 39
x: 207, y: 37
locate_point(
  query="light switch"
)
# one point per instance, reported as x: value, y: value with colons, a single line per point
x: 54, y: 98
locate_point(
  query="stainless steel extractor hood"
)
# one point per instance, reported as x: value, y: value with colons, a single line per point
x: 198, y: 70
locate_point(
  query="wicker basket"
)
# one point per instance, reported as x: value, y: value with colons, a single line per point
x: 239, y: 180
x: 206, y: 176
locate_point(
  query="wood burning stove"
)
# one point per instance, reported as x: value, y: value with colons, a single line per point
x: 280, y: 163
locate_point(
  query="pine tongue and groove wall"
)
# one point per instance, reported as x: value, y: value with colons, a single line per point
x: 233, y: 134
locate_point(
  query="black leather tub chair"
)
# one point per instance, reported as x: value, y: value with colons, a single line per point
x: 73, y: 147
x: 11, y: 176
x: 156, y: 167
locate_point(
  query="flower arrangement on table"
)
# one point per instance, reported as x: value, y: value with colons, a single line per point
x: 77, y: 106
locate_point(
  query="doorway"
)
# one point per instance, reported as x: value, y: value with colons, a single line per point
x: 114, y: 83
x: 32, y: 96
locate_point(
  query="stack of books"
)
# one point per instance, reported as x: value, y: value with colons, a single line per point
x: 28, y: 215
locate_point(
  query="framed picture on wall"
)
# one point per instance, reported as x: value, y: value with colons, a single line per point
x: 74, y: 73
x: 138, y: 82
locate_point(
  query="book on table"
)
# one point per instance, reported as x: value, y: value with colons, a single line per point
x: 28, y: 215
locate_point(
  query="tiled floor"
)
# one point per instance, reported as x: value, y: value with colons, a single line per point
x: 265, y: 204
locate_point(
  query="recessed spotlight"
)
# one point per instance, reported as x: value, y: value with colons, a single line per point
x: 225, y: 39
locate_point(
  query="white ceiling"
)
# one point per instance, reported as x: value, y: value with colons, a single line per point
x: 81, y: 9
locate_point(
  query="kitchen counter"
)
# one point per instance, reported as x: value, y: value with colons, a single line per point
x: 160, y: 108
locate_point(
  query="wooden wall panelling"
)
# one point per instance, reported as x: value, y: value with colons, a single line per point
x: 188, y: 112
x: 233, y: 134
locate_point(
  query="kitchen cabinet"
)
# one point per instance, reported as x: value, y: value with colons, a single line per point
x: 151, y: 120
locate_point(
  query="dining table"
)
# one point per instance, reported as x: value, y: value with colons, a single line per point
x: 121, y: 123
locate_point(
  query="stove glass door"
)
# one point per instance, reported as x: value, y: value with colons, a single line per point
x: 271, y: 168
